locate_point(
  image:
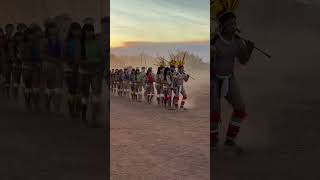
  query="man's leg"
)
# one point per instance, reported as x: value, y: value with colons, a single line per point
x: 184, y: 97
x: 239, y: 113
x: 161, y: 95
x: 215, y: 117
x: 169, y: 98
x: 176, y: 97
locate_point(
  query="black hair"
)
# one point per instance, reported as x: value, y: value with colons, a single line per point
x: 9, y: 25
x: 149, y: 71
x: 72, y: 27
x: 159, y: 70
x: 87, y: 27
x: 35, y: 27
x: 49, y: 26
x: 166, y: 71
x: 26, y: 33
x: 21, y: 25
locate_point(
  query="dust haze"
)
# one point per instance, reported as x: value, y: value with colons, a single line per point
x: 195, y: 67
x: 161, y: 140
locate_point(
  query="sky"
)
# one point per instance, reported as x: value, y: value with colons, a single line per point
x: 159, y: 21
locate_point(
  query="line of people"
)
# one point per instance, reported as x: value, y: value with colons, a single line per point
x: 47, y: 65
x: 167, y: 84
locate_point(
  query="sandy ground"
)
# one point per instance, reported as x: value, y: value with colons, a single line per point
x: 148, y: 142
x: 48, y: 146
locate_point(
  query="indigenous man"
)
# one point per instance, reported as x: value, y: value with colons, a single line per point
x: 170, y: 77
x: 225, y: 49
x: 181, y: 77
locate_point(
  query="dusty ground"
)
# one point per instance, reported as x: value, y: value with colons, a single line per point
x: 42, y: 146
x: 280, y: 136
x: 148, y: 142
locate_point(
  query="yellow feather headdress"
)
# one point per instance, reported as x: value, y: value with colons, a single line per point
x: 173, y: 61
x: 181, y: 62
x: 161, y: 62
x: 219, y: 8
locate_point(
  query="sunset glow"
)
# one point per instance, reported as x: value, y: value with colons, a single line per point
x: 159, y: 21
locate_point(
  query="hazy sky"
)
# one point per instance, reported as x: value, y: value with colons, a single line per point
x: 159, y: 21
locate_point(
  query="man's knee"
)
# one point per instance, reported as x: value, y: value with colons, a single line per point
x: 240, y: 111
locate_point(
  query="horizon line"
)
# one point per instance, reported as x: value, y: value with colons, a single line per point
x: 129, y: 44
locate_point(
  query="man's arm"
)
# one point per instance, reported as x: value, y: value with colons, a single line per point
x: 245, y: 51
x: 168, y: 79
x: 186, y: 77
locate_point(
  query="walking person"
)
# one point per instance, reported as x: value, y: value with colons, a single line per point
x: 225, y: 49
x: 90, y: 70
x: 72, y: 56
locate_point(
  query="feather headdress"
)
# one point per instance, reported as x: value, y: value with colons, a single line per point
x: 161, y: 62
x: 173, y: 61
x: 181, y: 62
x: 220, y: 8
